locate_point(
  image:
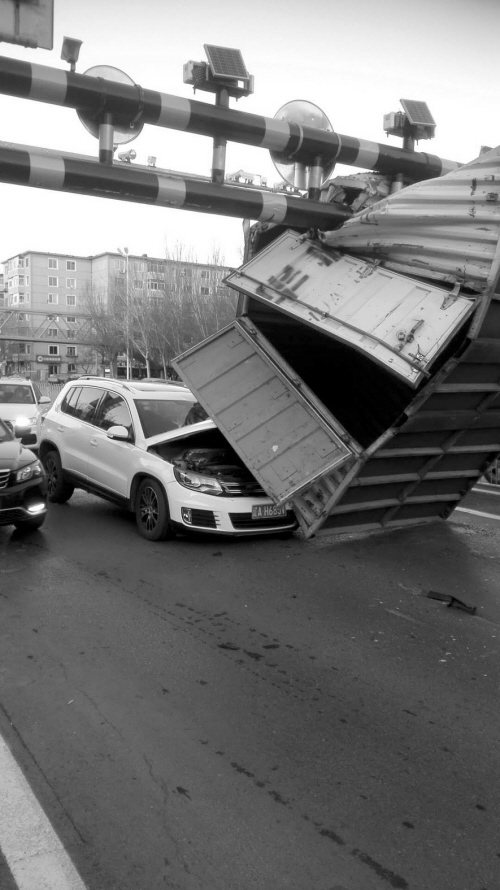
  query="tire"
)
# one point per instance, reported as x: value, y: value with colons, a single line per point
x: 30, y: 525
x: 151, y: 511
x: 60, y: 491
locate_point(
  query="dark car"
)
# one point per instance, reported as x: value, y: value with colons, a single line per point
x: 23, y: 484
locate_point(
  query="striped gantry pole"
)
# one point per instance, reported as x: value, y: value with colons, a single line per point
x: 47, y: 169
x: 295, y: 143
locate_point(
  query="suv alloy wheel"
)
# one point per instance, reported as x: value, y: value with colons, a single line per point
x: 151, y: 511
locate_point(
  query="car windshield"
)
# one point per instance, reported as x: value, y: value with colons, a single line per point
x: 163, y: 415
x: 16, y: 394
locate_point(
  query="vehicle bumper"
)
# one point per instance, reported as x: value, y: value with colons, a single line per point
x: 15, y: 502
x: 226, y: 516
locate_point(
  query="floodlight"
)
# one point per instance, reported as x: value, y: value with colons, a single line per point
x: 70, y: 51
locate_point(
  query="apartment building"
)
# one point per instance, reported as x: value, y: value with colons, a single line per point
x: 44, y: 325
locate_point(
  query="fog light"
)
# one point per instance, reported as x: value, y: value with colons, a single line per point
x: 187, y: 515
x: 36, y: 508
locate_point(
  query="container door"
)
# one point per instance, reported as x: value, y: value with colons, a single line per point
x: 282, y: 432
x: 399, y: 322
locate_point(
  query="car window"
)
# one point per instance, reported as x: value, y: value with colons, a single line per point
x: 68, y: 404
x: 37, y: 392
x: 114, y: 411
x: 161, y: 416
x: 5, y: 433
x: 18, y: 393
x: 86, y: 403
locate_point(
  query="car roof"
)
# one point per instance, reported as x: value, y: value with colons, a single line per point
x: 138, y: 388
x: 15, y: 380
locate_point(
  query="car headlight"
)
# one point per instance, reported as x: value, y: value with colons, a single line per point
x: 206, y: 484
x: 29, y: 472
x: 24, y: 421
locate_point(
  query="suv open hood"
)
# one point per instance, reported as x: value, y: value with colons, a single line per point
x: 182, y: 433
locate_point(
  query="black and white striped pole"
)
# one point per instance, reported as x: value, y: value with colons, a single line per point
x: 48, y: 169
x: 300, y: 144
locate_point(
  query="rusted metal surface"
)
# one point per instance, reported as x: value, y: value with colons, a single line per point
x: 445, y: 229
x: 285, y: 436
x: 400, y: 323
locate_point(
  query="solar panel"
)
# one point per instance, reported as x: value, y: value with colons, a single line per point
x: 418, y: 113
x: 226, y: 62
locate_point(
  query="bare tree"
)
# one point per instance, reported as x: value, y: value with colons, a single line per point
x: 106, y: 325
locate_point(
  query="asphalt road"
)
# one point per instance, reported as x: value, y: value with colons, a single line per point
x: 212, y: 714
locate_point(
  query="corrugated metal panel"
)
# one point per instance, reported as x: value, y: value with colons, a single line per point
x: 421, y: 470
x: 398, y: 322
x: 285, y: 436
x: 446, y: 228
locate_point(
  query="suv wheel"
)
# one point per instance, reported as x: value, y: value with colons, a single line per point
x: 60, y: 491
x: 151, y: 511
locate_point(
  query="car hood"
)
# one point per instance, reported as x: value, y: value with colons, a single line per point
x: 182, y: 433
x: 14, y: 456
x: 11, y: 410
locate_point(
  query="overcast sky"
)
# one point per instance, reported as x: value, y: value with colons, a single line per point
x: 354, y: 59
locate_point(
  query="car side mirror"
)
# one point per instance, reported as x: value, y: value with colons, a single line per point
x: 118, y: 432
x: 44, y: 400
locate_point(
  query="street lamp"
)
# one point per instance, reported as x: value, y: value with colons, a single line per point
x: 124, y: 253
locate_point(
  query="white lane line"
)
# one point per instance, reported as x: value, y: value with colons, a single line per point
x: 478, y: 513
x: 34, y: 853
x: 487, y: 491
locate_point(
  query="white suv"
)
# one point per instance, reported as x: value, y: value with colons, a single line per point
x: 142, y: 446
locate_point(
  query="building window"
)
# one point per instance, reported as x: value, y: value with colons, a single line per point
x: 71, y: 282
x: 52, y: 263
x: 27, y: 280
x: 53, y: 332
x: 21, y: 347
x: 52, y: 298
x: 21, y: 280
x: 205, y: 291
x: 53, y: 282
x: 21, y: 298
x: 70, y: 265
x: 71, y: 335
x: 204, y: 273
x: 71, y: 368
x: 27, y: 262
x: 152, y: 285
x: 53, y: 350
x: 71, y: 350
x: 71, y: 319
x: 70, y: 300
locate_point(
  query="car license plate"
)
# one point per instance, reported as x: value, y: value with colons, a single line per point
x: 267, y: 511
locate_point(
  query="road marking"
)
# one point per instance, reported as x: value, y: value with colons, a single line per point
x: 32, y: 850
x: 478, y: 513
x: 486, y: 490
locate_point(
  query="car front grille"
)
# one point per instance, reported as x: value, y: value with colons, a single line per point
x: 29, y: 439
x: 243, y: 489
x: 203, y: 519
x: 4, y: 478
x: 15, y: 514
x: 244, y: 521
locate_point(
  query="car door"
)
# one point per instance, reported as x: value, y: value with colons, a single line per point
x: 74, y: 427
x: 109, y: 460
